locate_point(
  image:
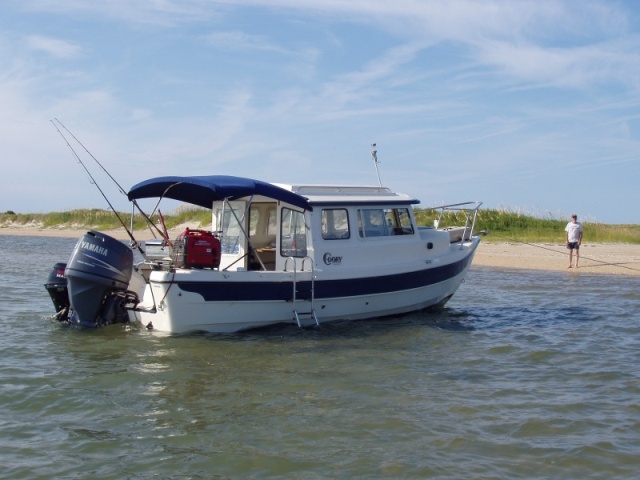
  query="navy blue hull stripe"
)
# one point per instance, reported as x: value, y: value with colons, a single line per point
x: 255, y: 291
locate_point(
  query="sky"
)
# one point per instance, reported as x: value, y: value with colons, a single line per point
x: 530, y: 106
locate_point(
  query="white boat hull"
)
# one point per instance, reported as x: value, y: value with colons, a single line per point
x: 223, y: 302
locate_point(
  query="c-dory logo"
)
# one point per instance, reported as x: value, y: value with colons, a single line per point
x: 329, y: 259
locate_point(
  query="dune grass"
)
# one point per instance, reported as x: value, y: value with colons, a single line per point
x: 505, y: 225
x: 100, y: 219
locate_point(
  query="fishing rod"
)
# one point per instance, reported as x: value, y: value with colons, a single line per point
x: 86, y: 150
x: 93, y: 181
x: 122, y: 190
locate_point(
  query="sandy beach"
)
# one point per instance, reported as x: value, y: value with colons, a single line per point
x: 120, y: 233
x: 617, y: 259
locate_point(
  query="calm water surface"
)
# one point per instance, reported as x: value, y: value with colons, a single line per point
x: 524, y: 375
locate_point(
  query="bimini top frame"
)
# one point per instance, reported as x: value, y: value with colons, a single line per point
x: 204, y: 190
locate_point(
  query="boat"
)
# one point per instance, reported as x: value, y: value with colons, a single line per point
x: 275, y: 253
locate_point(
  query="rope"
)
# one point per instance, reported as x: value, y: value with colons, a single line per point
x: 602, y: 263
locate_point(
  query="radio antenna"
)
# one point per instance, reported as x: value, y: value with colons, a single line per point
x: 374, y: 155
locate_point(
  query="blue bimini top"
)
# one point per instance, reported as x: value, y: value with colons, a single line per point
x: 204, y: 190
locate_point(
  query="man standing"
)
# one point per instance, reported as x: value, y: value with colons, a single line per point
x: 573, y: 238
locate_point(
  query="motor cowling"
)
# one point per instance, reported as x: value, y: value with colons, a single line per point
x: 57, y: 287
x: 98, y: 275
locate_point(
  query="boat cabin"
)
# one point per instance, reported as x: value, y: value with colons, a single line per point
x: 274, y: 227
x: 259, y: 233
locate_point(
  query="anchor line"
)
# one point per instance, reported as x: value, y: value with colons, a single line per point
x: 602, y: 263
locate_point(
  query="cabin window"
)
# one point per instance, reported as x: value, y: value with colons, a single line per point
x: 262, y: 219
x: 254, y: 220
x: 272, y: 226
x: 335, y: 224
x: 403, y: 225
x: 383, y: 222
x: 293, y: 234
x: 262, y: 226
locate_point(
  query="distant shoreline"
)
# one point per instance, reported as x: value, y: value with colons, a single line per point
x: 612, y: 259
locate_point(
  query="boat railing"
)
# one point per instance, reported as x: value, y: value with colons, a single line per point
x: 458, y: 233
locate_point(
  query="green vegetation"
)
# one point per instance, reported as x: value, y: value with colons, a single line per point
x: 99, y: 219
x: 505, y: 225
x: 502, y: 225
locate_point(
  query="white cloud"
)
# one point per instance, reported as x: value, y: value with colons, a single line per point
x: 564, y: 67
x: 167, y: 13
x: 237, y: 40
x: 52, y: 46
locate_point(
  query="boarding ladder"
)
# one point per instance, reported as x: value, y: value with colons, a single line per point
x: 311, y: 313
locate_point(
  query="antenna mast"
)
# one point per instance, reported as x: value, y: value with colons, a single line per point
x: 374, y: 155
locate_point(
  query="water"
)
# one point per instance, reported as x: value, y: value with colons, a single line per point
x: 524, y: 375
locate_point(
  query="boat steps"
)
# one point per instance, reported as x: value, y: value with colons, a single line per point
x: 310, y: 296
x: 310, y: 315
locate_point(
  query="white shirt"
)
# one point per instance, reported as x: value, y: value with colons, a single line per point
x: 573, y: 229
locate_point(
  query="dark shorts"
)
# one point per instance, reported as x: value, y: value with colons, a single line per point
x: 573, y: 245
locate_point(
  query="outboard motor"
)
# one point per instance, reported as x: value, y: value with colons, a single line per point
x: 98, y: 274
x: 57, y: 287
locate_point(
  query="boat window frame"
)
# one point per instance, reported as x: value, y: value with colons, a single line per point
x: 291, y: 247
x: 336, y: 234
x: 382, y: 222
